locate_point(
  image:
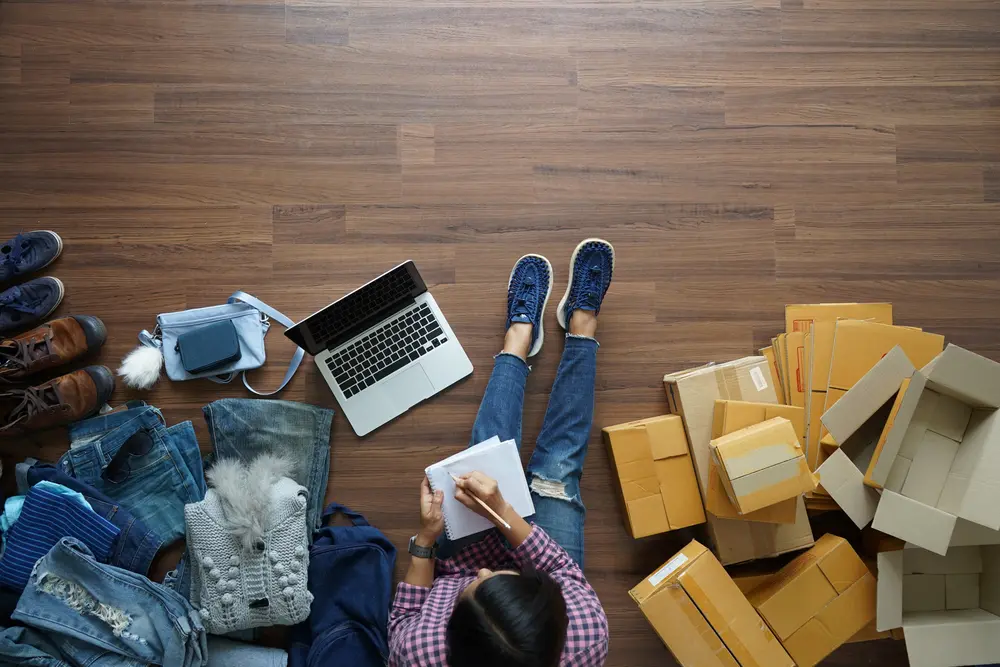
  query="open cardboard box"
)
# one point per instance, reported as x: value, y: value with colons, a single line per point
x: 857, y: 423
x: 948, y: 606
x: 941, y: 459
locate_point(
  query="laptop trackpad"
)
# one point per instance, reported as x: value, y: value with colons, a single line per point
x: 409, y: 387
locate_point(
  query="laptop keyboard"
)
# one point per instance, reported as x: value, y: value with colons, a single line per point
x: 385, y: 350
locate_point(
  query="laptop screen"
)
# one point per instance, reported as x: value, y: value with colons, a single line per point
x: 364, y: 307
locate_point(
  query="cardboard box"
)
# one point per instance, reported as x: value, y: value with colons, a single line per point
x: 820, y: 319
x: 702, y: 616
x: 818, y: 601
x: 730, y: 416
x: 762, y: 464
x: 858, y: 421
x: 692, y: 394
x: 941, y: 458
x: 748, y: 582
x: 948, y: 606
x: 772, y: 362
x: 656, y: 480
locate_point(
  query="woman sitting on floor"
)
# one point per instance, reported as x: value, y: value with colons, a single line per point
x: 518, y: 597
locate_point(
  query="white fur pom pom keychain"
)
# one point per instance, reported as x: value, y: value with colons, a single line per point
x: 141, y: 367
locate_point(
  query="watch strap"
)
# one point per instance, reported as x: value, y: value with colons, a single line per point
x: 419, y: 551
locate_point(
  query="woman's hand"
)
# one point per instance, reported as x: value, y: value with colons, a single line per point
x: 431, y: 516
x: 483, y: 487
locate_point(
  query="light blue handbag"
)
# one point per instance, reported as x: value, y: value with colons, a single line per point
x: 250, y: 316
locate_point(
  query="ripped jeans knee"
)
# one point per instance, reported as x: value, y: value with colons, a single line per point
x: 548, y: 488
x: 78, y: 599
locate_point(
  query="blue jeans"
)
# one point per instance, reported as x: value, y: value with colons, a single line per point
x: 156, y: 484
x: 244, y: 428
x: 96, y: 614
x: 556, y: 465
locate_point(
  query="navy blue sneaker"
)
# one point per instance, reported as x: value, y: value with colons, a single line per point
x: 527, y: 296
x: 27, y: 253
x: 26, y: 304
x: 590, y: 270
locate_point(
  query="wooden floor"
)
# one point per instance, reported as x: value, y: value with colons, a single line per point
x: 740, y: 154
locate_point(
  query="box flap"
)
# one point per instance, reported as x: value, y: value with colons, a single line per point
x: 929, y: 469
x: 894, y: 438
x: 883, y: 436
x: 667, y: 572
x: 845, y: 484
x: 740, y: 541
x: 958, y: 560
x: 792, y: 596
x: 914, y: 522
x: 869, y: 394
x: 732, y: 416
x: 718, y: 503
x: 678, y: 489
x: 982, y: 495
x: 748, y: 638
x: 859, y: 345
x: 967, y: 376
x: 841, y: 565
x: 889, y: 610
x: 666, y: 436
x: 946, y: 638
x: 835, y: 624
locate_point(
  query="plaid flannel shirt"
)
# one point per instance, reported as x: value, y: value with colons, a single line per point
x: 419, y: 616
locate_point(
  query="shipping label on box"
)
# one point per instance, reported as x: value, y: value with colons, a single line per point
x: 703, y: 617
x: 657, y: 483
x: 818, y: 601
x: 762, y: 464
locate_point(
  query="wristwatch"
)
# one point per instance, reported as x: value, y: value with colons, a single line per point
x: 419, y: 551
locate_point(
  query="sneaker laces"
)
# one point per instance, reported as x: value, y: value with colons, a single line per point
x: 13, y: 258
x: 524, y: 300
x: 14, y: 299
x: 593, y: 288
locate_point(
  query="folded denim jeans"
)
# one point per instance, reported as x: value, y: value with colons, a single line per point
x: 153, y: 479
x: 100, y: 614
x: 245, y: 428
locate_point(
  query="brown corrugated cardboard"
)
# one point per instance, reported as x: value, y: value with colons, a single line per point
x: 818, y: 601
x: 762, y: 464
x: 768, y: 353
x: 947, y: 605
x: 702, y: 616
x: 889, y: 423
x: 731, y: 416
x: 717, y: 503
x: 657, y: 484
x: 692, y: 394
x: 920, y: 502
x: 858, y: 346
x: 820, y: 319
x: 858, y: 419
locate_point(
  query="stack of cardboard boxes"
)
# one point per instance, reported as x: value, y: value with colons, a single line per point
x: 844, y: 411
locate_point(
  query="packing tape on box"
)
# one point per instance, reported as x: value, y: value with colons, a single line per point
x: 728, y: 383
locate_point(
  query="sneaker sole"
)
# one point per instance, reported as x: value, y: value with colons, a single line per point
x: 62, y: 293
x: 537, y: 347
x: 58, y: 250
x: 561, y: 312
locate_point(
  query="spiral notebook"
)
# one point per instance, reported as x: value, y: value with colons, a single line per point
x: 494, y: 457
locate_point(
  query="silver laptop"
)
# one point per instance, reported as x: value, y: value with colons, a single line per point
x: 383, y: 348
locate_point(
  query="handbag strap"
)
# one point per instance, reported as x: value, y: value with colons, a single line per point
x: 293, y: 365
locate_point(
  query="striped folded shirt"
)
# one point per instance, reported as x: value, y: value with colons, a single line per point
x: 45, y: 519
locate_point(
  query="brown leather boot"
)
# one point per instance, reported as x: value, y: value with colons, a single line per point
x: 53, y: 344
x: 67, y: 398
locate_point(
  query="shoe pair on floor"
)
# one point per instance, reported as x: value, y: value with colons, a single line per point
x: 591, y: 267
x: 26, y: 358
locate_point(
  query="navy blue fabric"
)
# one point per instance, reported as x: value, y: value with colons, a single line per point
x: 23, y: 305
x: 350, y: 575
x: 592, y: 271
x: 529, y: 284
x: 136, y: 545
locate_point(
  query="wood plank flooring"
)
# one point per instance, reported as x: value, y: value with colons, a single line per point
x: 740, y: 154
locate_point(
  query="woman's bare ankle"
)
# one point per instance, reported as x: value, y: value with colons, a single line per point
x: 517, y: 341
x: 583, y: 323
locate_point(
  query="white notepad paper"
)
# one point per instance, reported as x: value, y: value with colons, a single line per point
x: 495, y: 458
